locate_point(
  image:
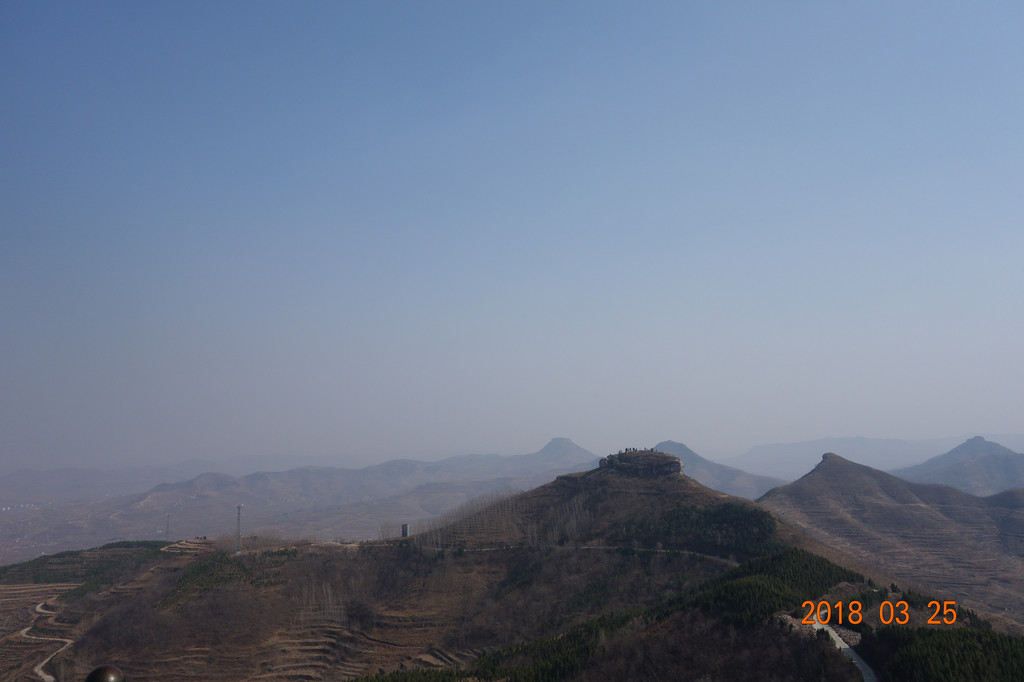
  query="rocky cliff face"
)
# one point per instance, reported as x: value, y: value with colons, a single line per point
x: 642, y: 464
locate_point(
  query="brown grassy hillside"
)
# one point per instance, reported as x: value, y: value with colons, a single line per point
x: 957, y: 546
x: 631, y: 569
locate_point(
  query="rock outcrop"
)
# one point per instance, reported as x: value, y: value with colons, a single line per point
x: 642, y: 464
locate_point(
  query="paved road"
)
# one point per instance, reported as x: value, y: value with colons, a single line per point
x: 866, y: 672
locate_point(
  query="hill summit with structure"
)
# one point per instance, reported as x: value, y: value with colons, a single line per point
x: 642, y: 463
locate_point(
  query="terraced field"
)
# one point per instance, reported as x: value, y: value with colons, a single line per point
x: 309, y: 649
x: 20, y: 654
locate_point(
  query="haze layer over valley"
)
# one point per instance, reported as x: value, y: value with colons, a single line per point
x: 324, y: 503
x: 49, y: 511
x: 309, y: 502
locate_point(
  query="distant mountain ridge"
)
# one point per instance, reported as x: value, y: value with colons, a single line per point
x: 303, y: 502
x: 977, y: 466
x: 793, y: 460
x: 83, y: 484
x: 934, y: 536
x: 309, y: 501
x: 719, y: 476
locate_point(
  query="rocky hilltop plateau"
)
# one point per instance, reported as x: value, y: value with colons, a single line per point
x: 642, y: 464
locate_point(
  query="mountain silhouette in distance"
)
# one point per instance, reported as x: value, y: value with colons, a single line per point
x: 310, y: 502
x: 977, y: 466
x: 954, y: 545
x: 793, y: 460
x: 719, y: 476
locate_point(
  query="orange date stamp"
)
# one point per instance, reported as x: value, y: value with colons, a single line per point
x: 888, y: 612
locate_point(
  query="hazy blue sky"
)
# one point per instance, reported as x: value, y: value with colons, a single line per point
x: 384, y: 229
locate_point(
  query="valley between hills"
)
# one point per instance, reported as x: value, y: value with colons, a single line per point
x: 627, y: 569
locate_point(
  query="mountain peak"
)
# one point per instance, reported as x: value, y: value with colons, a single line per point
x: 830, y: 461
x: 675, y: 448
x: 718, y: 476
x: 976, y: 466
x: 564, y: 448
x: 970, y: 449
x: 978, y: 446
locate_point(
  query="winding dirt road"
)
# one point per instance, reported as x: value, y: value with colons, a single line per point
x: 38, y: 670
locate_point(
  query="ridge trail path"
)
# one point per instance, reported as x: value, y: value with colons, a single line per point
x: 38, y: 670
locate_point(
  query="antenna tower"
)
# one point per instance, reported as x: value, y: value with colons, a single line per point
x: 238, y: 535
